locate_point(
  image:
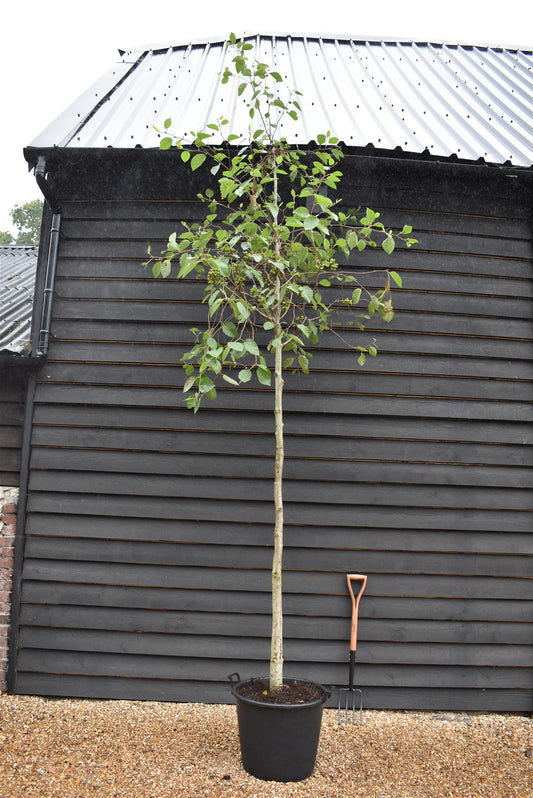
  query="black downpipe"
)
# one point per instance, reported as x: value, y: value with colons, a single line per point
x: 49, y: 287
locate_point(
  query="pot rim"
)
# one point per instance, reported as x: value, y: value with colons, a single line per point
x: 235, y: 686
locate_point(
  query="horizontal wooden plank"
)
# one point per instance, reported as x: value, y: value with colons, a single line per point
x: 355, y: 537
x: 11, y: 438
x: 168, y: 667
x: 388, y: 340
x: 442, y: 297
x: 11, y: 414
x: 10, y: 458
x: 231, y: 488
x: 515, y: 225
x: 411, y: 263
x: 131, y: 281
x: 186, y: 647
x: 241, y: 443
x: 396, y: 364
x: 259, y: 557
x: 80, y: 391
x: 9, y: 479
x: 155, y: 463
x: 242, y: 579
x: 295, y: 627
x: 334, y: 604
x: 122, y: 237
x: 309, y: 424
x: 315, y: 514
x: 433, y: 230
x: 191, y: 313
x: 353, y: 383
x: 476, y: 700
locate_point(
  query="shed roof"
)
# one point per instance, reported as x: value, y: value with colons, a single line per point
x: 469, y: 102
x: 18, y: 265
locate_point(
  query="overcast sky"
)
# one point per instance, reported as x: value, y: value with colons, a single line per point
x: 52, y: 51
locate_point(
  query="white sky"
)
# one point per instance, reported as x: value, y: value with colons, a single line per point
x: 52, y: 51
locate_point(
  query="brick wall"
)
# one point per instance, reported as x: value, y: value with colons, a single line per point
x: 8, y: 517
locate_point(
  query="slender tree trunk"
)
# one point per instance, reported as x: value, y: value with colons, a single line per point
x: 276, y: 652
x: 276, y: 645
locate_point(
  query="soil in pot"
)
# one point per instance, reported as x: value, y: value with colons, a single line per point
x: 292, y: 692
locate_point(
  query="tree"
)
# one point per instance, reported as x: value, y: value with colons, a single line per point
x: 27, y: 220
x: 269, y: 249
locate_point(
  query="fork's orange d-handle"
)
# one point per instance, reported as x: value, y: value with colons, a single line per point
x: 355, y: 604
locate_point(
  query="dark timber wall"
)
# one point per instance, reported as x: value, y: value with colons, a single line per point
x: 12, y: 395
x: 147, y: 551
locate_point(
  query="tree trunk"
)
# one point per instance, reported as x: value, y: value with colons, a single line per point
x: 276, y: 651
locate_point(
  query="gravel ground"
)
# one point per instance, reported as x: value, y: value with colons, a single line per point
x: 132, y: 749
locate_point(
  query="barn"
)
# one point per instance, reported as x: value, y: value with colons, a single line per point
x: 144, y: 531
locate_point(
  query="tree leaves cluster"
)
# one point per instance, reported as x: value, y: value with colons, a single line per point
x: 270, y: 244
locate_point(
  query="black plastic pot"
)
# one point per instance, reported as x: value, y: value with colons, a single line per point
x: 278, y: 741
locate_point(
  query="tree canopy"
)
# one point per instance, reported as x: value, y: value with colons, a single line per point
x: 27, y: 221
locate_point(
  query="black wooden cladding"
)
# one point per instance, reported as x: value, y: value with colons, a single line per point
x: 12, y: 396
x: 147, y: 554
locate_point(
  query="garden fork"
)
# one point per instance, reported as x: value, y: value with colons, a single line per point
x: 350, y: 691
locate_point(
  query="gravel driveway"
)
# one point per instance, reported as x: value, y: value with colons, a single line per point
x: 133, y: 749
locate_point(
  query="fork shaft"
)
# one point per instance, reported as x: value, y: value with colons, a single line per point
x: 352, y: 669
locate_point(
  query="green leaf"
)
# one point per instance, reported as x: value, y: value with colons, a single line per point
x: 263, y: 375
x: 229, y: 379
x: 167, y: 123
x: 188, y: 384
x: 245, y: 375
x: 352, y: 239
x: 307, y: 292
x: 406, y: 230
x: 243, y: 311
x: 197, y: 160
x: 372, y: 351
x: 397, y: 279
x: 222, y: 265
x: 166, y: 143
x: 304, y: 364
x: 187, y: 265
x: 356, y: 296
x: 251, y: 346
x: 230, y: 329
x: 237, y: 347
x: 361, y: 359
x: 205, y: 384
x: 388, y: 245
x: 185, y: 155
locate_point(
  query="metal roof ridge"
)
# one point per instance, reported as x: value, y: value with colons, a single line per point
x: 361, y: 38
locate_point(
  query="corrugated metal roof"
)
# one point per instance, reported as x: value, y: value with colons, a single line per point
x: 445, y: 100
x: 18, y: 266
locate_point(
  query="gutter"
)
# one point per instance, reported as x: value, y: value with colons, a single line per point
x: 49, y: 287
x: 51, y: 261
